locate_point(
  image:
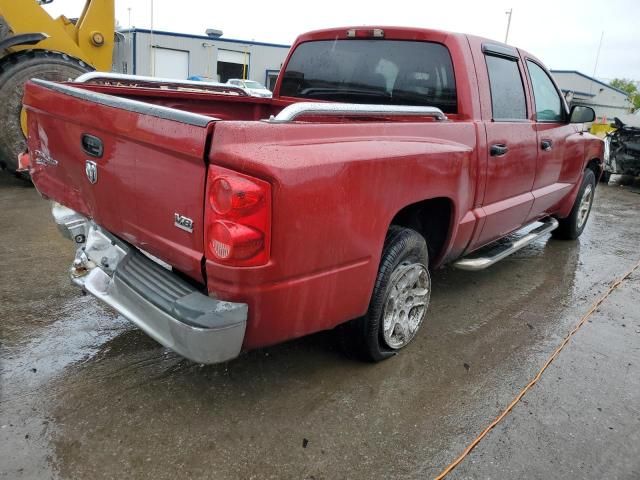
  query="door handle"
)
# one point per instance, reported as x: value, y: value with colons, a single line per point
x: 498, y: 150
x: 546, y: 145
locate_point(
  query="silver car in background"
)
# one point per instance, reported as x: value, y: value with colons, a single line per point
x: 253, y: 88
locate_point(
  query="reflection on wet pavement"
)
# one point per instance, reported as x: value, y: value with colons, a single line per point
x: 87, y: 395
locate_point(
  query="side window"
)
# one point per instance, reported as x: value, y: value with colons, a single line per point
x: 507, y: 91
x: 547, y: 100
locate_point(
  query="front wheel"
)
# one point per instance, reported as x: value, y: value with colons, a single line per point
x: 572, y: 227
x: 399, y: 301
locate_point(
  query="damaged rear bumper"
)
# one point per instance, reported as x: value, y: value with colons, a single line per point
x: 167, y: 308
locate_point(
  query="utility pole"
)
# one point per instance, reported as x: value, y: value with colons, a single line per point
x: 509, y: 13
x: 130, y: 35
x: 595, y: 66
x: 129, y: 27
x: 151, y: 50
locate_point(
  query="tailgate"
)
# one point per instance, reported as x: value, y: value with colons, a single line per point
x: 145, y: 185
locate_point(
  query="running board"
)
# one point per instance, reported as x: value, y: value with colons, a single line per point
x: 487, y: 256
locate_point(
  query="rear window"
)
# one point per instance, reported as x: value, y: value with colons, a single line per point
x: 388, y: 72
x: 507, y: 90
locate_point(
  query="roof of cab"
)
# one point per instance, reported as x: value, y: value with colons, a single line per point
x: 390, y: 32
x: 401, y: 33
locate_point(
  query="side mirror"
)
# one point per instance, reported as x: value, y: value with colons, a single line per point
x: 581, y: 114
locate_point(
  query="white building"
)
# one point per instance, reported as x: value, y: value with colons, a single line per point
x: 581, y: 89
x: 178, y: 55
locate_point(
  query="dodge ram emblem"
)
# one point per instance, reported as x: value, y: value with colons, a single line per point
x: 91, y: 169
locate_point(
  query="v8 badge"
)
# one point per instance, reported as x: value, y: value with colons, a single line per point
x: 183, y: 223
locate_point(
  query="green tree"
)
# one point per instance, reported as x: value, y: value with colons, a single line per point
x: 629, y: 87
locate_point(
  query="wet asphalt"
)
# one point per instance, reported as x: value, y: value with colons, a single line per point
x: 84, y: 394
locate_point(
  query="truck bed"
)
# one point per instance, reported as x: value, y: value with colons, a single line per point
x: 220, y: 106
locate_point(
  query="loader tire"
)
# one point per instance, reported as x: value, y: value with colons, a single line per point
x: 15, y: 71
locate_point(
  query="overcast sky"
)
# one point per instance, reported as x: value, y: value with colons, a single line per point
x: 563, y: 34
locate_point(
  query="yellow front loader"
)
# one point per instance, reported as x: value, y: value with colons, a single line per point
x: 34, y: 45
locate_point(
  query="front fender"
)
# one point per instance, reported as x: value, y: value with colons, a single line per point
x: 22, y: 39
x: 594, y: 150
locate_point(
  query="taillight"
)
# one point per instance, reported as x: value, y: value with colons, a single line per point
x: 234, y: 195
x: 232, y: 240
x: 237, y: 218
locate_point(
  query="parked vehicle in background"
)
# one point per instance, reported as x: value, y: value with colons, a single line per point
x: 224, y: 222
x: 202, y: 78
x: 622, y: 147
x: 253, y: 88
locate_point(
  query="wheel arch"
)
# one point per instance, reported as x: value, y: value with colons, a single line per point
x: 14, y: 57
x: 22, y: 39
x: 595, y: 164
x: 433, y: 219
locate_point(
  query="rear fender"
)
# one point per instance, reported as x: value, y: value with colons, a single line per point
x: 335, y: 189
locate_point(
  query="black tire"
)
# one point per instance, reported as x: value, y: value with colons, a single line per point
x: 365, y: 337
x: 572, y: 227
x: 15, y: 70
x: 606, y: 176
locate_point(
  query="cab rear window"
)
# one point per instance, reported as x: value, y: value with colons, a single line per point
x: 388, y: 72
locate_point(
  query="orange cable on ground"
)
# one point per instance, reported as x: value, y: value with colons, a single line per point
x: 518, y: 397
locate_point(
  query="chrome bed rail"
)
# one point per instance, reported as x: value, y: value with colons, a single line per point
x: 290, y: 113
x: 144, y: 108
x: 121, y: 79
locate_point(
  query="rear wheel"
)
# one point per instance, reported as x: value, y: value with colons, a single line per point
x: 572, y: 227
x: 399, y: 301
x: 15, y: 70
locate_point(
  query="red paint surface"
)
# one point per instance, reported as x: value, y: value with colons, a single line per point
x: 336, y: 184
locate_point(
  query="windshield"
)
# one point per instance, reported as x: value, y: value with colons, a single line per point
x: 390, y: 72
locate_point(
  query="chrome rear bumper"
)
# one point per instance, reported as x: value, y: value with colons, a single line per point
x: 166, y: 307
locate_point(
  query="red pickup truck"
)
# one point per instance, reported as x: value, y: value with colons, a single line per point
x: 220, y: 222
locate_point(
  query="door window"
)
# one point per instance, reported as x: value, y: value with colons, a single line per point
x: 507, y: 91
x: 546, y: 97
